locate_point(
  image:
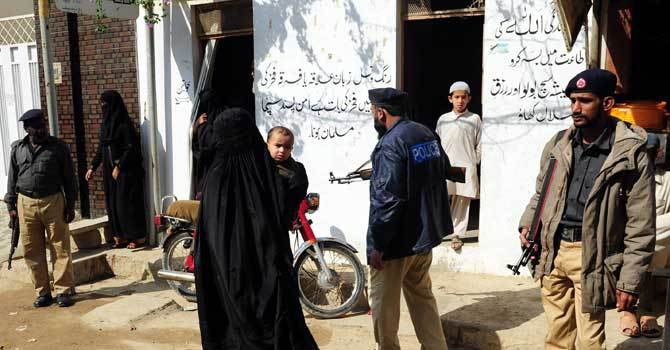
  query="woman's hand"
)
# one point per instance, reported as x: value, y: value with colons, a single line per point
x: 116, y: 172
x: 89, y: 175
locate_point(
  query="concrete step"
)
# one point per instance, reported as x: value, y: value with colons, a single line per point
x: 97, y: 264
x: 129, y: 310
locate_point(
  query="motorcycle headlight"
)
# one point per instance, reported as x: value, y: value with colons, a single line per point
x: 313, y: 202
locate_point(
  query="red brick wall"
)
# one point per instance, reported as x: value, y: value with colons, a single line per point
x: 108, y: 62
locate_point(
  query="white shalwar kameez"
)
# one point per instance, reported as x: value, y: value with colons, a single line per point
x: 461, y: 139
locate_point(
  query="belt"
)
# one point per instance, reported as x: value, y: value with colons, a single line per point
x: 36, y: 194
x: 570, y: 234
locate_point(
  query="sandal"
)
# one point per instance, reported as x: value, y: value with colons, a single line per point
x: 628, y: 325
x: 649, y: 327
x: 136, y: 244
x: 456, y: 243
x: 118, y: 244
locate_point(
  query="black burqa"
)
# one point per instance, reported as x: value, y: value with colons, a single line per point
x: 247, y: 291
x: 202, y: 142
x: 119, y: 146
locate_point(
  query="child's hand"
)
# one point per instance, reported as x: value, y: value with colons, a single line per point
x: 202, y: 119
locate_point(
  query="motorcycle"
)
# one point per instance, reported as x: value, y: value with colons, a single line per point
x: 330, y: 277
x: 178, y: 262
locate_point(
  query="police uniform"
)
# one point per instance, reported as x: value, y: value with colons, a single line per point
x: 598, y: 225
x: 41, y: 187
x: 409, y: 215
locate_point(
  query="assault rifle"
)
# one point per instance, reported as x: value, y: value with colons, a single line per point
x: 533, y: 236
x: 359, y: 174
x: 455, y: 174
x: 14, y: 225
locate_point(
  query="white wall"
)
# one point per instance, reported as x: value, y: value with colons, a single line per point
x: 526, y: 68
x: 175, y: 86
x: 315, y: 61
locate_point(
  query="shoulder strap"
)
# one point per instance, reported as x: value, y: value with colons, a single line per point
x: 559, y: 135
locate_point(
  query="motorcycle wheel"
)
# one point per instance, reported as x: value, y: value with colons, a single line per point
x: 173, y: 260
x: 332, y: 298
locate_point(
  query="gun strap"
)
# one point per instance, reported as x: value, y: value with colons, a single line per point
x: 546, y: 184
x: 542, y: 200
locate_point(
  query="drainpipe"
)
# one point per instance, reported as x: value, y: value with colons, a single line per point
x: 153, y: 127
x: 45, y: 43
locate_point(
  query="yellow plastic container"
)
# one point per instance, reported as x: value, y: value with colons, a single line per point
x: 646, y: 114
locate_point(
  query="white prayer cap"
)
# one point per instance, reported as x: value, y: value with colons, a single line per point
x: 459, y: 85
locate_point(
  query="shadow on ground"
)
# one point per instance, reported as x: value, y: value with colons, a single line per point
x: 476, y: 325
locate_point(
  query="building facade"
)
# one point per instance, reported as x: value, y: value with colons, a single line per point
x: 88, y: 63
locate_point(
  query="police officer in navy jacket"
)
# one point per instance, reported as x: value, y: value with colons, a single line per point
x: 409, y: 215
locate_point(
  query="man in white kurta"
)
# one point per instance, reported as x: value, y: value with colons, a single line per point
x: 460, y: 134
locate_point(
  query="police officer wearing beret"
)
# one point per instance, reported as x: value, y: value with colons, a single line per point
x: 409, y: 215
x: 598, y: 222
x: 41, y: 191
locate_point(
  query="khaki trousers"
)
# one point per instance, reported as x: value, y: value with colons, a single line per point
x: 562, y: 302
x: 411, y: 275
x: 43, y: 226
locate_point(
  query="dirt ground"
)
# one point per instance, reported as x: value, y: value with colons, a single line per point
x: 62, y: 328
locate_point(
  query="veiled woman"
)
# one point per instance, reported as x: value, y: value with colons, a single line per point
x: 211, y: 103
x: 247, y: 291
x: 122, y: 172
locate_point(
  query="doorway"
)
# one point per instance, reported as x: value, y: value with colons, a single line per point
x: 436, y: 53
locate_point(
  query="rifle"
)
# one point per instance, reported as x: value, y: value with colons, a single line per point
x: 533, y: 236
x: 14, y: 225
x: 359, y: 174
x: 456, y: 174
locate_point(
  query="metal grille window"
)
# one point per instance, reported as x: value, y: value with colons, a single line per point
x: 17, y: 30
x: 16, y: 82
x: 431, y: 9
x: 34, y: 75
x: 225, y: 19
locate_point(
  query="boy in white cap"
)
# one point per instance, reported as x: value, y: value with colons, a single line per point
x: 460, y: 134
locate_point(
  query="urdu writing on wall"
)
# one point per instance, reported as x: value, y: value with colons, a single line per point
x: 529, y: 53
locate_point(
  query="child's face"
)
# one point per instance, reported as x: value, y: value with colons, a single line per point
x: 460, y: 99
x: 280, y: 146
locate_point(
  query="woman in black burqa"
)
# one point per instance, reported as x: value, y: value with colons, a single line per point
x: 122, y: 172
x: 210, y: 104
x: 247, y: 291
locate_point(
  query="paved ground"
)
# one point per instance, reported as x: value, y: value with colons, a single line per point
x: 133, y: 311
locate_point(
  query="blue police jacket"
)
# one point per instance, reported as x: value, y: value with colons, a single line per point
x: 409, y: 204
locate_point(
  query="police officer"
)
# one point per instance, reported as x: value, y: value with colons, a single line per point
x: 409, y: 215
x: 599, y: 223
x: 41, y: 191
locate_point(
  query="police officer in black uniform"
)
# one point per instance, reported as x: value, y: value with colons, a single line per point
x: 41, y: 191
x: 409, y: 215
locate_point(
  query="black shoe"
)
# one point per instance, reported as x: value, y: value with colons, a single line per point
x: 64, y: 300
x: 43, y: 300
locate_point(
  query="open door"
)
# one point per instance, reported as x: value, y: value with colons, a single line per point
x: 204, y: 81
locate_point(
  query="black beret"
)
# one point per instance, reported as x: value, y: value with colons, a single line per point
x: 598, y: 81
x: 32, y: 114
x: 389, y: 98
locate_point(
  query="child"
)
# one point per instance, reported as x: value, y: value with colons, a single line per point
x: 460, y: 134
x: 292, y: 174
